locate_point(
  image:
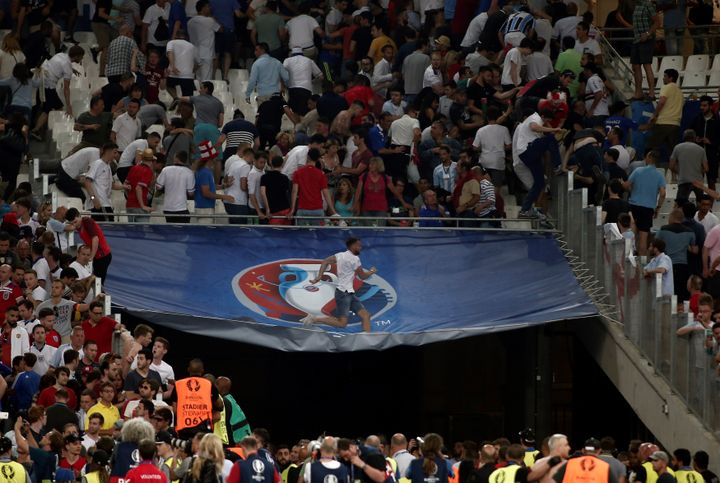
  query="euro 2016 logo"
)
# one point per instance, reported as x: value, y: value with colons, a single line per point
x: 281, y: 290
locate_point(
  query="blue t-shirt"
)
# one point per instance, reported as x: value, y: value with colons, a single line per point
x: 177, y: 12
x: 224, y: 13
x: 646, y: 183
x: 26, y: 385
x: 663, y: 261
x: 204, y: 176
x: 623, y: 123
x: 426, y: 212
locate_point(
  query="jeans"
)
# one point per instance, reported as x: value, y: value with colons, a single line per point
x: 104, y: 213
x: 532, y: 157
x: 673, y: 41
x: 176, y: 216
x: 101, y: 265
x: 137, y: 215
x: 234, y: 209
x: 320, y: 214
x: 68, y: 185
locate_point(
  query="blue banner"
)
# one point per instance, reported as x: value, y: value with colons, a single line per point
x: 252, y: 284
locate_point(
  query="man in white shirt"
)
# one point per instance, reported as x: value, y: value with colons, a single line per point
x: 301, y: 29
x: 201, y: 33
x: 131, y: 153
x: 59, y: 66
x: 44, y: 352
x: 472, y: 34
x: 585, y: 45
x: 99, y: 183
x: 83, y: 263
x: 256, y: 173
x: 335, y: 16
x: 92, y: 432
x: 406, y: 130
x: 493, y: 141
x: 33, y: 291
x: 395, y: 105
x: 565, y: 27
x: 596, y: 98
x: 178, y: 183
x: 348, y: 267
x: 71, y: 169
x: 297, y: 156
x: 238, y: 173
x: 514, y: 61
x: 382, y: 76
x: 159, y: 10
x: 181, y: 68
x: 302, y: 71
x: 126, y: 128
x: 706, y: 217
x: 433, y: 76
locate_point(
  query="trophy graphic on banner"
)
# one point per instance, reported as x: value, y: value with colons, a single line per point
x: 295, y: 288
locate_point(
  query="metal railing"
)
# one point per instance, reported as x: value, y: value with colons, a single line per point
x: 613, y: 277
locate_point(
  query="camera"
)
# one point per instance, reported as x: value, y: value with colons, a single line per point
x: 182, y: 444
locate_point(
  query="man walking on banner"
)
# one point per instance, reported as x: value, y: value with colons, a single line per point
x: 348, y: 266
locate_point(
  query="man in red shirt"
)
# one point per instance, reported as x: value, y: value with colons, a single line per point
x: 308, y: 190
x: 46, y: 317
x: 92, y: 236
x: 47, y: 395
x: 10, y: 294
x: 72, y: 458
x: 140, y: 178
x: 99, y: 328
x: 146, y: 471
x: 360, y: 91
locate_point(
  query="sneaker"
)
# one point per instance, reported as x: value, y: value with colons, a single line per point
x: 308, y: 320
x: 94, y: 53
x: 531, y: 214
x: 36, y: 136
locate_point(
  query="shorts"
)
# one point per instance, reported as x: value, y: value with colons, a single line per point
x: 641, y: 53
x: 643, y: 217
x: 225, y: 42
x: 52, y: 101
x: 497, y: 176
x: 187, y: 86
x: 345, y: 302
x: 103, y: 33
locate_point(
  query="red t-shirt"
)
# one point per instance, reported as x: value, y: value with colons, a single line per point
x: 139, y: 175
x: 145, y: 472
x: 5, y: 343
x: 46, y: 398
x: 52, y: 338
x: 311, y: 181
x: 102, y: 334
x: 347, y: 37
x: 90, y: 229
x: 560, y: 111
x: 10, y: 294
x: 363, y: 94
x: 76, y: 467
x: 374, y: 197
x: 153, y: 76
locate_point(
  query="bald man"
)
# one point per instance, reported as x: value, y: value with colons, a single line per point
x: 236, y: 423
x: 399, y: 452
x: 545, y: 468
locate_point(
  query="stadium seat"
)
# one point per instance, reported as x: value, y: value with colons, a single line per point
x: 693, y: 80
x: 85, y: 38
x: 219, y: 86
x: 655, y: 65
x: 697, y: 63
x: 671, y: 62
x: 714, y: 80
x: 97, y: 83
x: 80, y: 106
x: 65, y: 149
x: 68, y: 202
x: 60, y: 128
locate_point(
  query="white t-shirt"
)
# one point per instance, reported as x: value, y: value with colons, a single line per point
x: 79, y: 162
x: 254, y: 184
x: 709, y: 222
x: 89, y: 443
x: 39, y: 294
x: 127, y: 158
x: 300, y: 31
x: 201, y: 32
x: 544, y: 30
x: 624, y: 158
x: 302, y: 70
x: 492, y: 139
x: 590, y: 46
x: 431, y: 77
x: 594, y: 85
x: 333, y: 19
x: 514, y: 56
x: 184, y: 55
x: 102, y: 180
x: 472, y: 34
x: 58, y: 67
x: 402, y: 131
x: 565, y: 27
x: 538, y: 65
x: 238, y: 170
x: 152, y: 14
x: 126, y: 130
x: 296, y: 157
x: 19, y: 342
x: 178, y: 182
x: 347, y: 263
x: 525, y: 135
x: 44, y: 357
x: 42, y: 269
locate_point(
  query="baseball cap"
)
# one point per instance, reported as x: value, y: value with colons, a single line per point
x: 100, y: 457
x: 148, y: 155
x: 591, y: 444
x: 163, y: 437
x: 443, y: 40
x: 660, y: 455
x: 568, y: 73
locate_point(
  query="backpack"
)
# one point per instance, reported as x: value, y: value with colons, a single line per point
x: 162, y: 32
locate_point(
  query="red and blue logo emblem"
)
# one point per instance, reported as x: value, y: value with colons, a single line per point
x: 281, y: 290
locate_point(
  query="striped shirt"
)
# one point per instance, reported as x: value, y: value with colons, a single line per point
x: 518, y: 22
x: 487, y: 193
x: 239, y: 131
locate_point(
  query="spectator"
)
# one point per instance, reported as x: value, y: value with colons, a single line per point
x: 584, y: 44
x: 59, y: 414
x: 514, y: 60
x: 105, y: 408
x: 139, y: 181
x: 127, y: 127
x: 131, y: 154
x: 309, y: 190
x: 265, y: 75
x: 302, y: 72
x: 707, y: 127
x: 645, y: 22
x: 704, y: 216
x: 205, y: 194
x: 275, y: 192
x: 689, y: 161
x: 93, y: 236
x: 413, y: 70
x: 445, y: 173
x: 668, y: 113
x: 569, y: 59
x: 95, y: 124
x: 238, y: 132
x: 178, y: 184
x: 92, y: 435
x: 26, y: 383
x: 647, y: 194
x: 181, y: 59
x: 41, y: 350
x: 493, y: 141
x: 679, y: 241
x: 99, y: 183
x: 662, y: 264
x: 120, y: 55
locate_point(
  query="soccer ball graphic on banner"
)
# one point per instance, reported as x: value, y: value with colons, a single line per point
x: 281, y: 290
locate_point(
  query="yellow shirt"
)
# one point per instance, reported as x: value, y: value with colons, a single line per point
x: 377, y: 45
x: 470, y: 188
x: 111, y: 415
x: 672, y: 110
x: 652, y: 475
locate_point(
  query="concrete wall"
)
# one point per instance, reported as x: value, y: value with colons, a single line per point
x: 665, y: 414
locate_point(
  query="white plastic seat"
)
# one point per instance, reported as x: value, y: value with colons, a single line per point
x: 97, y: 83
x: 693, y: 80
x: 80, y: 106
x: 655, y: 65
x: 219, y: 86
x: 715, y: 63
x: 671, y: 62
x: 714, y: 80
x: 697, y: 63
x: 61, y: 128
x: 68, y: 202
x: 65, y: 149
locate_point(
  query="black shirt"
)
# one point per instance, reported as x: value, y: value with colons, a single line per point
x: 270, y: 114
x: 614, y: 207
x: 709, y: 476
x: 483, y: 474
x: 112, y: 94
x: 106, y: 5
x: 330, y: 104
x: 277, y: 190
x: 489, y: 35
x: 666, y: 478
x: 35, y: 50
x: 35, y: 15
x: 133, y: 379
x: 363, y: 39
x: 543, y: 86
x: 616, y: 172
x: 478, y: 92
